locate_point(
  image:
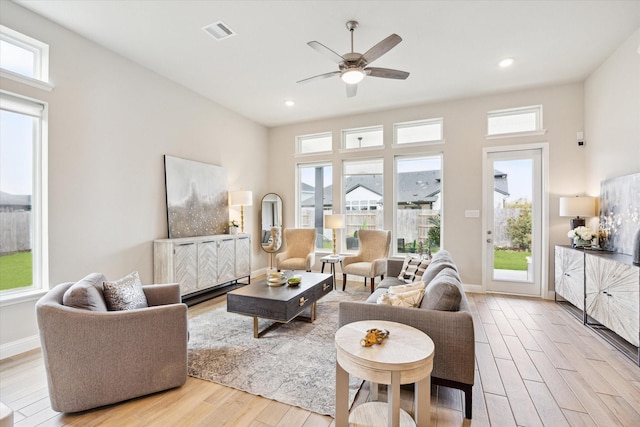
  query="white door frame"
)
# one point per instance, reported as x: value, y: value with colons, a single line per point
x: 543, y: 268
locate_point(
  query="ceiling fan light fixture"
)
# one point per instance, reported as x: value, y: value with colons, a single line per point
x: 352, y: 75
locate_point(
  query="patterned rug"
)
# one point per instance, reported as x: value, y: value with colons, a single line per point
x: 293, y: 363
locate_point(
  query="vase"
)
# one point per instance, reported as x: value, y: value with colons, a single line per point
x: 233, y: 230
x: 580, y: 243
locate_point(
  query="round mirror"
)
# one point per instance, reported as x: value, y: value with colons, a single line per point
x: 271, y: 222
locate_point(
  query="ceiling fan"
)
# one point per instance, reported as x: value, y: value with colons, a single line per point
x: 353, y: 66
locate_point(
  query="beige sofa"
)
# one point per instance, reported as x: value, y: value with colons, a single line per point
x: 451, y: 331
x: 95, y: 357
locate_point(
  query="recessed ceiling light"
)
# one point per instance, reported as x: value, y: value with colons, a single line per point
x: 289, y: 103
x: 507, y: 62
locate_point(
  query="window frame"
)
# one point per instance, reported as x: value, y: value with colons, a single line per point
x: 40, y: 52
x: 298, y: 192
x: 39, y: 204
x: 345, y: 132
x: 537, y: 109
x: 301, y: 138
x: 415, y: 156
x: 400, y: 125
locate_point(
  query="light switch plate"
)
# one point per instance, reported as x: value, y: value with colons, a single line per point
x: 472, y: 213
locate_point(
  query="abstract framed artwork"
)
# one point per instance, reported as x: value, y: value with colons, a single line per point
x: 620, y: 211
x: 197, y: 198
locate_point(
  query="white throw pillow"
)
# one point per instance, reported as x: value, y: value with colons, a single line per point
x: 398, y: 289
x: 404, y: 299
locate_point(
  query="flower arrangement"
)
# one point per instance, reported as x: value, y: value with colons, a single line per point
x: 233, y: 223
x: 582, y: 233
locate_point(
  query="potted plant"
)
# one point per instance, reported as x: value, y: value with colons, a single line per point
x: 233, y: 227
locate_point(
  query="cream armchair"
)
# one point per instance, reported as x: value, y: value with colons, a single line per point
x: 300, y: 253
x: 371, y: 259
x: 96, y: 358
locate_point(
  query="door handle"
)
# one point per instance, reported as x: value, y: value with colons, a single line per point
x: 489, y: 240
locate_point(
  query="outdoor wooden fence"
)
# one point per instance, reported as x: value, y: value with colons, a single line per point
x: 15, y: 233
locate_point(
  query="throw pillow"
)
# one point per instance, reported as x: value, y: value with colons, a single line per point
x: 404, y: 299
x: 398, y: 289
x: 413, y: 267
x: 86, y: 294
x: 125, y: 293
x: 443, y: 293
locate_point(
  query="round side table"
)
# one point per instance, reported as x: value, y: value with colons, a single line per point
x: 405, y: 357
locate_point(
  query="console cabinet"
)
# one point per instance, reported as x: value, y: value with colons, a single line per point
x: 202, y: 263
x: 605, y: 287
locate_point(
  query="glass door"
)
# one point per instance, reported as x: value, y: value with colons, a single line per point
x: 513, y: 231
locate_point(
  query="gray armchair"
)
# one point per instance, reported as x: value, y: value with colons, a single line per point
x: 96, y: 358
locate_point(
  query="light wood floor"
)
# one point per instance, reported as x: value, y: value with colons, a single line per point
x: 535, y: 365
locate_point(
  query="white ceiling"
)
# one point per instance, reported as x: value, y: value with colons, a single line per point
x: 451, y: 48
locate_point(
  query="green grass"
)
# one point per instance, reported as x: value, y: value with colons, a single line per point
x: 15, y: 271
x: 510, y: 260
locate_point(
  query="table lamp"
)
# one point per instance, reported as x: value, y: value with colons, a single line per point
x: 578, y: 206
x: 242, y: 199
x: 334, y: 222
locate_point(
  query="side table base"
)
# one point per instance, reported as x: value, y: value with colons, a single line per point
x: 376, y: 414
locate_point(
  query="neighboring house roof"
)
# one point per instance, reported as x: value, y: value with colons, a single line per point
x: 21, y: 200
x: 415, y: 187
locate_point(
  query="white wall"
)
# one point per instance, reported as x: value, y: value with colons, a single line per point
x: 110, y: 123
x: 464, y: 131
x: 612, y: 116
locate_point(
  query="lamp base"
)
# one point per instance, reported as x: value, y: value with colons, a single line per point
x: 577, y: 222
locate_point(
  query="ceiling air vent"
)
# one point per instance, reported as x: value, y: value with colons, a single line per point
x: 219, y: 30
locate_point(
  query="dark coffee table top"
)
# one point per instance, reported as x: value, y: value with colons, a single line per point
x: 261, y: 290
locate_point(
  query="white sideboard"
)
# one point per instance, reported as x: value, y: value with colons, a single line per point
x: 202, y: 263
x: 605, y: 287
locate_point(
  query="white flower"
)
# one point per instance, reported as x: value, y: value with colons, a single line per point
x: 582, y: 232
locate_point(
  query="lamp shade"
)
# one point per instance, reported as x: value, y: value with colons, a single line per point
x: 577, y: 206
x: 241, y: 198
x: 334, y: 221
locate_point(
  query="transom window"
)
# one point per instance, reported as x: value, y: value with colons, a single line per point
x: 421, y: 131
x: 362, y: 138
x: 23, y: 55
x: 514, y: 120
x: 316, y: 143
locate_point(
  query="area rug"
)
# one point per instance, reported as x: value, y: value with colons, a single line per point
x: 293, y: 363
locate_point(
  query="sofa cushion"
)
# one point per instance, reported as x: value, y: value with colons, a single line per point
x: 413, y: 267
x: 387, y: 282
x: 443, y: 292
x: 441, y: 260
x: 86, y: 294
x: 125, y: 293
x: 406, y: 288
x: 373, y: 298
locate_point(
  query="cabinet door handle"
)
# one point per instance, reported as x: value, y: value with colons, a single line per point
x: 303, y: 301
x: 326, y: 286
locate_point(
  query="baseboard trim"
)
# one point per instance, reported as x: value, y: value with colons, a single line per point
x: 475, y: 289
x: 23, y: 345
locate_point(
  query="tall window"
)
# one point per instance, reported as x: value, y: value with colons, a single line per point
x: 418, y: 198
x: 362, y: 138
x: 315, y: 191
x: 363, y: 196
x: 22, y: 194
x: 23, y: 55
x: 514, y: 120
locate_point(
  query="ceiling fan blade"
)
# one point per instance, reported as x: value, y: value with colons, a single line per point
x: 386, y: 73
x: 352, y: 90
x: 322, y: 49
x: 381, y: 48
x: 320, y: 77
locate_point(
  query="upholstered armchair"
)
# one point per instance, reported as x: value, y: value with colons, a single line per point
x: 94, y: 357
x: 371, y: 259
x: 300, y: 252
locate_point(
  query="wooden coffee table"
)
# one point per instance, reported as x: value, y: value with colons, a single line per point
x: 279, y: 303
